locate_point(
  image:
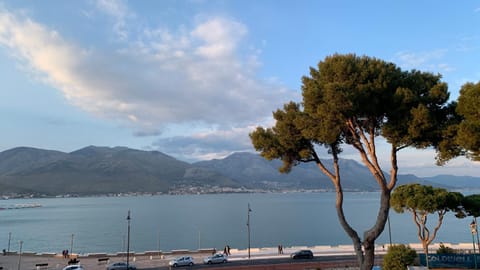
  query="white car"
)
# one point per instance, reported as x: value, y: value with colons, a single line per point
x: 181, y: 261
x: 74, y: 267
x: 121, y: 266
x: 217, y: 258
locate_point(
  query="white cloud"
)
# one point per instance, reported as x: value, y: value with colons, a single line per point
x: 161, y: 78
x: 428, y: 61
x: 118, y: 10
x: 205, y: 145
x: 220, y: 37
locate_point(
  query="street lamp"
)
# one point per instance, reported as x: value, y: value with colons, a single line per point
x: 473, y: 229
x: 199, y: 242
x: 248, y: 226
x: 71, y: 246
x: 20, y: 255
x: 128, y: 238
x: 9, y: 238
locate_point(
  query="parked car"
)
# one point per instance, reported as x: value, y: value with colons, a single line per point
x: 181, y: 261
x: 74, y: 267
x: 121, y: 266
x: 302, y: 254
x: 216, y: 258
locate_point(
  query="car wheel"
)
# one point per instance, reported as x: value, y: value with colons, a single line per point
x: 175, y: 265
x: 209, y: 262
x: 190, y: 264
x: 224, y: 261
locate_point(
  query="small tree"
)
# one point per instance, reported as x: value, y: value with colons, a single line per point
x: 471, y: 207
x: 445, y: 250
x: 421, y: 201
x: 398, y: 257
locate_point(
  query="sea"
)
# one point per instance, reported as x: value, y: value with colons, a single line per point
x: 190, y: 222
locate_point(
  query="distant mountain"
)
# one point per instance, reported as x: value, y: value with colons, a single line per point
x: 459, y: 182
x: 98, y: 170
x: 253, y: 170
x: 102, y: 170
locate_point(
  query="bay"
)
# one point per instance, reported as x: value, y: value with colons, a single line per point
x: 168, y: 222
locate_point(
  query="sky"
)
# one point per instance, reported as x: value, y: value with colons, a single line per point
x: 191, y: 78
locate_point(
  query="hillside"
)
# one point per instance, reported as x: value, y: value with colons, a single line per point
x: 103, y: 170
x: 98, y: 170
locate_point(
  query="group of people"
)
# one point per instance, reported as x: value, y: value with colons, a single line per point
x: 280, y: 249
x: 226, y: 250
x: 65, y: 253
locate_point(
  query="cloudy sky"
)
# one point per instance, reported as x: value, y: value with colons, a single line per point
x: 192, y: 78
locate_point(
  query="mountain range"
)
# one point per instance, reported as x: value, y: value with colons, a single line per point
x: 103, y: 170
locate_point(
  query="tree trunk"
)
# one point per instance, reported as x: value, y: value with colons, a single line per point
x: 371, y: 235
x: 365, y: 251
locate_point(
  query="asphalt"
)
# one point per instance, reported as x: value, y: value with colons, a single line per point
x: 154, y: 259
x: 147, y: 260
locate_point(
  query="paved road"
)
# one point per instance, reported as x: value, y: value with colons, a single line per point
x: 29, y: 262
x: 276, y: 263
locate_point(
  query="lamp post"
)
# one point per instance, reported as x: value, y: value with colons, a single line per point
x: 199, y: 238
x: 20, y: 255
x: 248, y: 227
x: 71, y: 246
x: 476, y: 231
x: 128, y: 239
x: 9, y: 238
x: 158, y: 243
x: 473, y: 229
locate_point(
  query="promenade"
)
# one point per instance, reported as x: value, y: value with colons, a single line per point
x: 150, y: 259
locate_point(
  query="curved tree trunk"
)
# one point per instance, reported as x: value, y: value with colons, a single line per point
x: 371, y: 235
x: 365, y: 251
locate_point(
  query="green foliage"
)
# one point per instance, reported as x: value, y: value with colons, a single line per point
x: 398, y: 257
x: 445, y: 250
x: 348, y: 95
x: 462, y: 137
x: 469, y: 129
x: 471, y: 206
x: 424, y: 199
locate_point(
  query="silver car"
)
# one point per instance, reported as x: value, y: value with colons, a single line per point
x: 121, y: 266
x: 217, y: 258
x: 74, y: 267
x: 181, y: 261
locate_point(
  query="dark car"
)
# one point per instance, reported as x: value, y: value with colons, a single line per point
x: 302, y: 254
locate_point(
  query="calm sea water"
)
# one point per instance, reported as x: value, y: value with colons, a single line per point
x: 202, y: 221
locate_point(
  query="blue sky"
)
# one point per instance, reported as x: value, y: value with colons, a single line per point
x: 193, y: 78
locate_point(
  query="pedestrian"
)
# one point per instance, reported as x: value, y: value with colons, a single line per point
x: 228, y: 250
x: 225, y: 250
x: 278, y: 248
x: 281, y: 249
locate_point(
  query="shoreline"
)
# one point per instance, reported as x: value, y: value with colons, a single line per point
x: 321, y: 250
